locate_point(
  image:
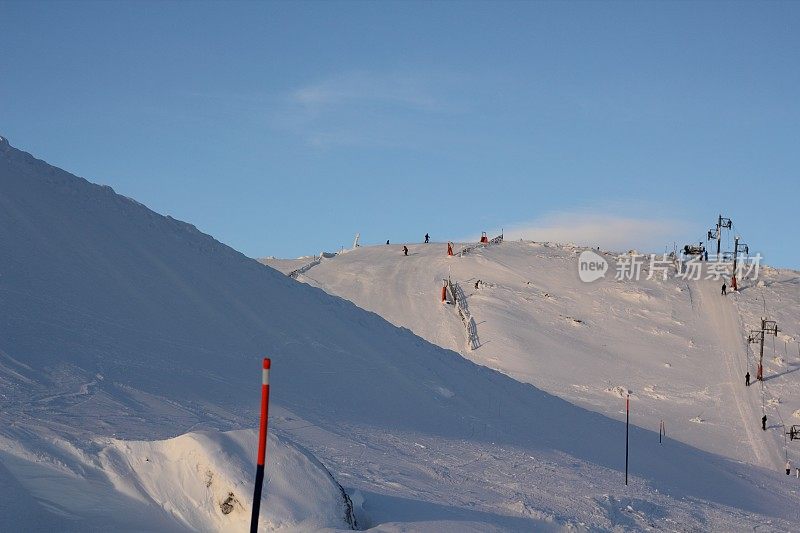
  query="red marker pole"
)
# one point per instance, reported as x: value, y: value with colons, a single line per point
x: 627, y: 422
x: 262, y: 445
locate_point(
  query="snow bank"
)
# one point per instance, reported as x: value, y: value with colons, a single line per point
x: 199, y: 481
x: 206, y: 481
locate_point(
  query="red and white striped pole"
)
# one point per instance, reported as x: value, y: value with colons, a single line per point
x: 262, y: 445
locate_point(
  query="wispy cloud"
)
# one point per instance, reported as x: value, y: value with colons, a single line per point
x: 408, y: 90
x: 361, y: 108
x: 607, y: 230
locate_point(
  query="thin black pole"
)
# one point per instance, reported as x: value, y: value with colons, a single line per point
x: 627, y: 423
x: 257, y: 498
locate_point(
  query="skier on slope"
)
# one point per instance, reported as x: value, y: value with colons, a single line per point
x: 764, y: 422
x: 405, y: 250
x: 427, y: 238
x: 788, y: 467
x: 747, y: 379
x: 723, y: 288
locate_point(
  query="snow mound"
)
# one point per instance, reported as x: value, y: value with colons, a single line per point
x: 199, y: 481
x: 205, y: 480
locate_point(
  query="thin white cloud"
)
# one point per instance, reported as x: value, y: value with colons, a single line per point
x: 362, y: 108
x: 606, y: 230
x: 359, y: 87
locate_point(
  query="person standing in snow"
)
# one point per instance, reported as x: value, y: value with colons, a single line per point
x: 764, y: 422
x: 788, y: 467
x: 387, y: 241
x: 797, y: 472
x: 723, y: 288
x: 747, y: 379
x: 405, y: 250
x: 427, y: 238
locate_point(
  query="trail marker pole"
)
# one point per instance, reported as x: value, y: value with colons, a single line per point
x: 627, y: 424
x: 262, y: 445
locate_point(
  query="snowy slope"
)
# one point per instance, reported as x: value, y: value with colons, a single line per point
x: 117, y: 322
x: 775, y: 297
x: 670, y: 341
x: 677, y: 344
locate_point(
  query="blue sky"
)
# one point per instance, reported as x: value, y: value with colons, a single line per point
x: 285, y: 128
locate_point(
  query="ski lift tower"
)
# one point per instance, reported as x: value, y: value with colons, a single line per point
x: 716, y: 232
x: 769, y: 327
x: 737, y: 248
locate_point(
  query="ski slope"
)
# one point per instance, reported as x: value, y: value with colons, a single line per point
x: 678, y: 345
x: 129, y: 338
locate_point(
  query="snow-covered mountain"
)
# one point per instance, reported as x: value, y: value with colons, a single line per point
x: 130, y: 348
x: 678, y: 344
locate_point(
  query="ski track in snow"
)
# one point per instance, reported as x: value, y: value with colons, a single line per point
x: 723, y: 320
